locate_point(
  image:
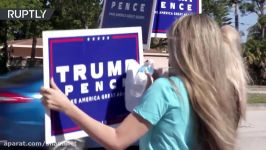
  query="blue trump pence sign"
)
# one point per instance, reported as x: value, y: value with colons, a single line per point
x: 130, y: 13
x: 89, y: 67
x: 167, y: 11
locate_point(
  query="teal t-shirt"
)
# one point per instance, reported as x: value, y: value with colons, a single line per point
x: 171, y: 117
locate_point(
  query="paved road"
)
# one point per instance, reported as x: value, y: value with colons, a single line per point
x: 252, y: 132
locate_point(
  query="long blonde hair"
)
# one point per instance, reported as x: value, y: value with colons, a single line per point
x: 197, y: 53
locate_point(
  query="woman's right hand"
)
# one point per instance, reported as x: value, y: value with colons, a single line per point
x: 159, y: 73
x: 150, y: 80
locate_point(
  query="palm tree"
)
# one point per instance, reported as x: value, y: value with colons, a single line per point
x: 255, y: 47
x: 258, y: 31
x: 258, y: 7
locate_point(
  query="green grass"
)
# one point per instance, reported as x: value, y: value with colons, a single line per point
x: 256, y: 98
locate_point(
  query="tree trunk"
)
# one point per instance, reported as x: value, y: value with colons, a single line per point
x: 33, y: 51
x: 34, y: 42
x: 263, y: 31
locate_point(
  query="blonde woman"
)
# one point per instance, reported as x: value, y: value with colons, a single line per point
x: 236, y: 72
x: 192, y: 109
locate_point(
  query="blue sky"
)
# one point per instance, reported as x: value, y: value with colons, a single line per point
x: 245, y: 22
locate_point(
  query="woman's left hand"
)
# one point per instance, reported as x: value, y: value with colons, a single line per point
x: 54, y: 98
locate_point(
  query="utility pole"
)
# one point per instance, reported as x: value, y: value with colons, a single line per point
x: 236, y: 15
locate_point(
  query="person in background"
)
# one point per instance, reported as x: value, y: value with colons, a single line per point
x: 194, y: 108
x: 236, y: 71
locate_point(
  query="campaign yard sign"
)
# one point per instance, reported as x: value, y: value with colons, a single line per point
x: 130, y: 13
x: 89, y: 67
x: 167, y: 11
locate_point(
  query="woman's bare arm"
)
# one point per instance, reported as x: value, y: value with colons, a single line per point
x: 131, y: 129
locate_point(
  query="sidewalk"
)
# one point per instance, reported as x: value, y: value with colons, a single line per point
x: 257, y: 89
x: 256, y: 106
x: 252, y: 131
